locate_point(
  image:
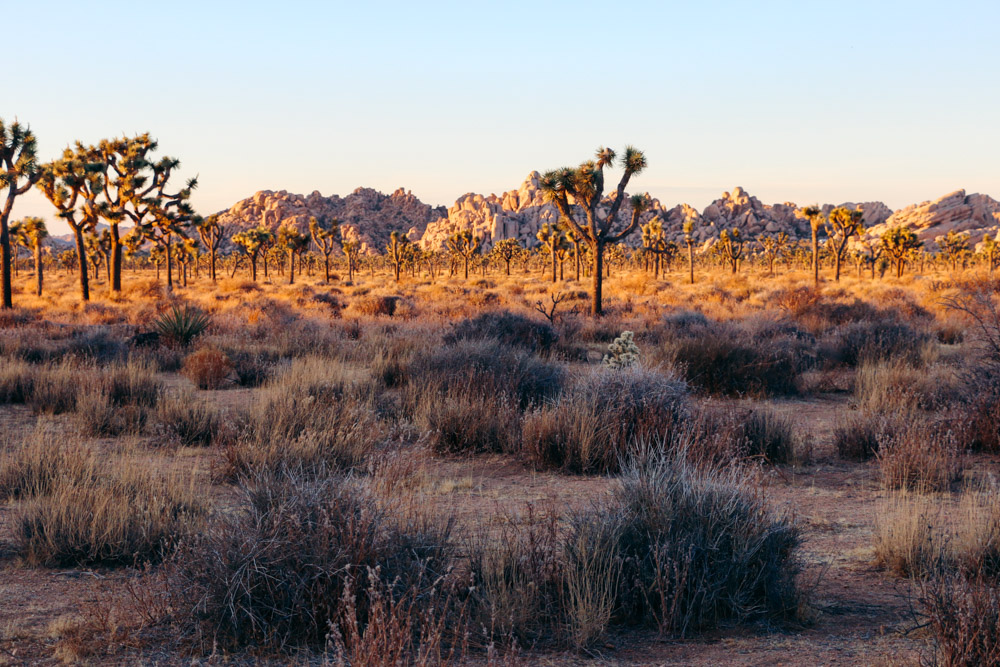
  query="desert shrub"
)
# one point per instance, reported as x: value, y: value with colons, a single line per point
x: 56, y: 387
x: 891, y: 386
x: 517, y: 575
x: 879, y: 340
x: 284, y: 565
x: 696, y: 547
x: 125, y: 517
x: 724, y: 360
x: 465, y: 421
x: 508, y: 328
x: 119, y: 400
x: 96, y: 414
x: 374, y: 306
x: 980, y: 412
x: 37, y: 466
x: 188, y: 420
x: 252, y: 368
x: 764, y: 434
x: 919, y: 535
x: 488, y: 368
x: 963, y: 612
x: 180, y: 325
x: 602, y: 416
x: 315, y: 415
x: 207, y: 368
x: 16, y: 381
x: 857, y: 437
x: 919, y: 455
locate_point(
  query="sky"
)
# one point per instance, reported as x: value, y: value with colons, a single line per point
x: 808, y: 101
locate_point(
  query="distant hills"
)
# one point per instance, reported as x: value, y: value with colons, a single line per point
x: 370, y: 216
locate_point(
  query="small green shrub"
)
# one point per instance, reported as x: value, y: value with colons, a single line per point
x: 180, y: 325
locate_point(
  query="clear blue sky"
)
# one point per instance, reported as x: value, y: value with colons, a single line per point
x: 807, y: 101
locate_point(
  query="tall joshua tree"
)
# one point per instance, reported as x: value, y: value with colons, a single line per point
x: 212, y: 234
x: 253, y: 242
x: 464, y: 244
x: 352, y: 251
x: 397, y: 251
x: 689, y: 242
x: 551, y: 238
x: 899, y: 243
x: 295, y: 243
x: 72, y: 180
x: 584, y: 185
x: 841, y: 225
x: 731, y: 247
x: 815, y: 217
x: 325, y: 234
x: 506, y: 250
x: 954, y: 247
x: 33, y: 232
x: 18, y: 173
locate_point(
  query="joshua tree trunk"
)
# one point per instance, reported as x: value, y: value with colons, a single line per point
x: 38, y: 268
x: 291, y: 267
x: 326, y: 266
x: 8, y: 288
x: 466, y: 267
x: 553, y: 263
x: 691, y: 261
x: 836, y: 267
x: 596, y: 307
x: 815, y: 258
x: 212, y: 259
x: 116, y: 259
x: 81, y: 255
x: 170, y: 268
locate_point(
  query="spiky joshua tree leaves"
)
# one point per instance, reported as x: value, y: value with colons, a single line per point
x: 730, y: 247
x: 465, y: 245
x: 326, y: 235
x: 33, y: 232
x: 18, y: 173
x: 506, y: 250
x: 253, y: 242
x: 900, y: 243
x: 584, y: 186
x: 815, y: 217
x: 841, y: 225
x: 295, y: 243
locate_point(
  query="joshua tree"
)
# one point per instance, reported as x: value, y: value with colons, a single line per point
x: 954, y: 247
x: 841, y: 225
x: 463, y: 244
x: 551, y: 238
x: 689, y: 242
x: 351, y: 250
x: 815, y: 217
x: 325, y: 234
x: 398, y: 250
x: 212, y: 234
x: 991, y: 251
x: 774, y: 247
x: 253, y: 241
x: 654, y: 241
x: 33, y: 231
x: 585, y: 186
x: 506, y: 250
x: 295, y: 243
x: 899, y: 243
x: 730, y: 247
x: 18, y: 172
x: 74, y: 178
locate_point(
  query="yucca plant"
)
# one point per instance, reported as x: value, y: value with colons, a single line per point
x: 181, y: 324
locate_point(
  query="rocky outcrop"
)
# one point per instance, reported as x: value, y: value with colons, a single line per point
x: 960, y: 212
x: 516, y: 214
x: 365, y: 215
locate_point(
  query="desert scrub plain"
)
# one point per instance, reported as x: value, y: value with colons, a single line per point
x: 374, y: 472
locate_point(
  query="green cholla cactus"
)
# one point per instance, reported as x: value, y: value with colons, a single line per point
x: 623, y: 352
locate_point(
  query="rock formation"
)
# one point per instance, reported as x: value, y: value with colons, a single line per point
x: 977, y: 214
x: 365, y: 215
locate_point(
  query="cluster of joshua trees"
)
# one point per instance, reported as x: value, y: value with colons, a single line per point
x: 119, y: 181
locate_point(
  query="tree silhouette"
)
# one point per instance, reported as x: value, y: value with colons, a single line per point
x: 212, y: 235
x: 18, y: 173
x: 325, y: 234
x: 841, y: 225
x: 585, y: 186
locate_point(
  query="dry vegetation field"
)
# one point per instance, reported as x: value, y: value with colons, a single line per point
x: 423, y: 473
